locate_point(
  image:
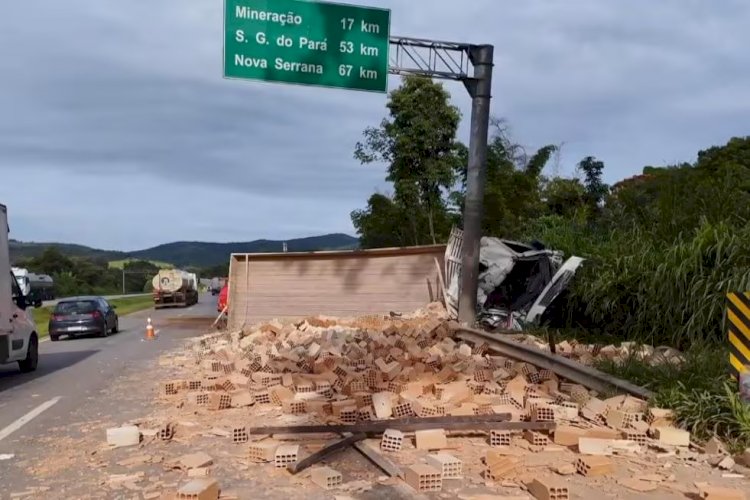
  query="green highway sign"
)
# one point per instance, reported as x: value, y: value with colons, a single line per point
x: 308, y: 43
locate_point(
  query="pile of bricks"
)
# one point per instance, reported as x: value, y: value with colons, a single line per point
x: 588, y: 354
x: 378, y: 368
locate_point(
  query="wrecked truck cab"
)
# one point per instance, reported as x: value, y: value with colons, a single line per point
x: 516, y: 283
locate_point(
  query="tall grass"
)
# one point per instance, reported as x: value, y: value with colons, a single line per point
x: 652, y: 291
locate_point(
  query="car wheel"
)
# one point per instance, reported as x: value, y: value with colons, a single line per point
x: 105, y: 330
x: 116, y: 328
x: 32, y: 356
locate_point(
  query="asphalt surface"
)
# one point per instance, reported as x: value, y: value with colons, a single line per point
x: 71, y: 373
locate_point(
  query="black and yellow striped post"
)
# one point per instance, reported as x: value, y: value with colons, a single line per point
x: 738, y: 321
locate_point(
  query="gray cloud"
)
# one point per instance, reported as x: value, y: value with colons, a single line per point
x: 105, y: 106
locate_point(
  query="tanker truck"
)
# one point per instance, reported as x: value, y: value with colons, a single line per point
x: 175, y: 288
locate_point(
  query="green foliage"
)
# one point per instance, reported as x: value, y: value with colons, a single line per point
x: 666, y: 293
x: 663, y: 249
x: 384, y: 223
x: 84, y: 276
x: 513, y: 192
x: 418, y: 144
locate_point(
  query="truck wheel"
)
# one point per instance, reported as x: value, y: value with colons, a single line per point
x: 32, y: 356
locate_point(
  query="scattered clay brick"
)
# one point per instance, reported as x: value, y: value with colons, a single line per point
x: 672, y: 436
x: 218, y: 402
x: 450, y: 466
x: 402, y: 410
x: 381, y: 401
x: 548, y: 489
x: 123, y: 436
x: 326, y: 478
x: 199, y: 489
x: 365, y: 414
x: 195, y: 460
x: 263, y: 398
x: 536, y: 438
x: 166, y: 432
x: 242, y: 399
x: 498, y: 467
x: 286, y: 455
x: 262, y: 451
x: 392, y: 440
x: 424, y: 478
x: 500, y: 438
x: 543, y: 414
x: 349, y: 415
x: 603, y: 433
x: 432, y: 439
x: 594, y: 466
x: 240, y: 435
x: 602, y: 447
x: 632, y: 435
x: 171, y: 388
x: 294, y: 407
x: 718, y: 493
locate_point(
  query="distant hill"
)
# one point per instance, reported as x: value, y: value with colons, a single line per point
x: 200, y: 254
x: 189, y: 253
x: 24, y: 250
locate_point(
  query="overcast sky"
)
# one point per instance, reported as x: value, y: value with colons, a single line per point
x: 118, y: 131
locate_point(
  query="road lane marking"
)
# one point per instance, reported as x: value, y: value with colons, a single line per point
x: 28, y: 418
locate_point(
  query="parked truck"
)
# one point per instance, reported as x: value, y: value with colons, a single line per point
x: 175, y: 288
x: 36, y: 287
x: 19, y: 341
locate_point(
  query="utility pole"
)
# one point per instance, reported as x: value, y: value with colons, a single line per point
x: 451, y: 61
x: 481, y: 93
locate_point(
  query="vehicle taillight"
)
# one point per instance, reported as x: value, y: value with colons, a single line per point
x: 96, y: 314
x: 57, y: 317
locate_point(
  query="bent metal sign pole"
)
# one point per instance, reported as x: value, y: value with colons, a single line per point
x: 347, y: 46
x: 307, y: 43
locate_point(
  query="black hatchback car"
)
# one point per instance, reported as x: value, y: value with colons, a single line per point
x: 79, y: 316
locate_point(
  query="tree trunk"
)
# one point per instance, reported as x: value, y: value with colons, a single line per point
x: 432, y: 225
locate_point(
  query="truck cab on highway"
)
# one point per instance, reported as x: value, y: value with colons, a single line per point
x: 19, y: 341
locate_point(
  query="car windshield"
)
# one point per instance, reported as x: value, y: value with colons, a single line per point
x: 76, y: 307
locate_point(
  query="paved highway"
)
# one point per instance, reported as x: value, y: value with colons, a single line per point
x: 72, y: 373
x: 108, y: 297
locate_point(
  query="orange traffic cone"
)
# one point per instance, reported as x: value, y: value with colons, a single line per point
x: 150, y: 330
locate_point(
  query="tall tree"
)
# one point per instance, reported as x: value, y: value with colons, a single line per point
x: 418, y: 143
x: 596, y: 189
x: 513, y: 184
x: 382, y: 223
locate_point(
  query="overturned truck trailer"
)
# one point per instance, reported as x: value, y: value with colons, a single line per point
x: 354, y: 283
x: 517, y: 282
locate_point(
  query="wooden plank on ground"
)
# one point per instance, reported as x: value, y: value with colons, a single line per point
x: 329, y: 449
x: 459, y: 423
x: 378, y: 459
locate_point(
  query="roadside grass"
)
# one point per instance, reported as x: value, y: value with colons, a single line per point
x: 125, y: 305
x: 699, y: 391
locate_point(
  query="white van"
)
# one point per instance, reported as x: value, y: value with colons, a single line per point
x: 19, y: 341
